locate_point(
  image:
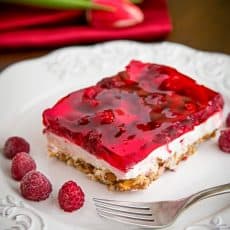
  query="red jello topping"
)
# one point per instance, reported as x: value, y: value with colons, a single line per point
x: 124, y: 118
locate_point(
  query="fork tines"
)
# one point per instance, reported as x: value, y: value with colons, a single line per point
x: 126, y: 212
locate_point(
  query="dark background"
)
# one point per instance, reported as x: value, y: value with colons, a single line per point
x: 201, y: 24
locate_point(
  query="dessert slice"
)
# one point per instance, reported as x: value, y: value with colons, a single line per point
x: 125, y: 130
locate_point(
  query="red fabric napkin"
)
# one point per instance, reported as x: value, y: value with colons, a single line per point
x: 29, y: 27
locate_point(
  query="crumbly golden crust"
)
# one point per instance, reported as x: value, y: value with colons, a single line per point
x: 140, y: 182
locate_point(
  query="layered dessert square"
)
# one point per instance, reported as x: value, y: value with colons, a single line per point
x: 127, y: 129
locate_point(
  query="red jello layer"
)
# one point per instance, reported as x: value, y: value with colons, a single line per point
x: 124, y: 118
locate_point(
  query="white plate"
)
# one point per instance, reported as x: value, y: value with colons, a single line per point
x: 27, y: 88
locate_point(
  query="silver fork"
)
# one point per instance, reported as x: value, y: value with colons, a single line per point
x: 153, y: 214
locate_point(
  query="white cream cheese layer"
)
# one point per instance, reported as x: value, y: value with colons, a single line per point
x: 179, y: 146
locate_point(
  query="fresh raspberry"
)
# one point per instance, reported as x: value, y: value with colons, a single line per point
x: 35, y: 186
x: 228, y: 120
x: 70, y: 196
x: 15, y: 145
x: 22, y: 163
x: 224, y: 140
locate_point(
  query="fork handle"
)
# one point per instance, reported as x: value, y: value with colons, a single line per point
x: 206, y: 193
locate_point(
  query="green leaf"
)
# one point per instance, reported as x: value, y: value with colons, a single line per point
x: 60, y: 4
x: 137, y: 1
